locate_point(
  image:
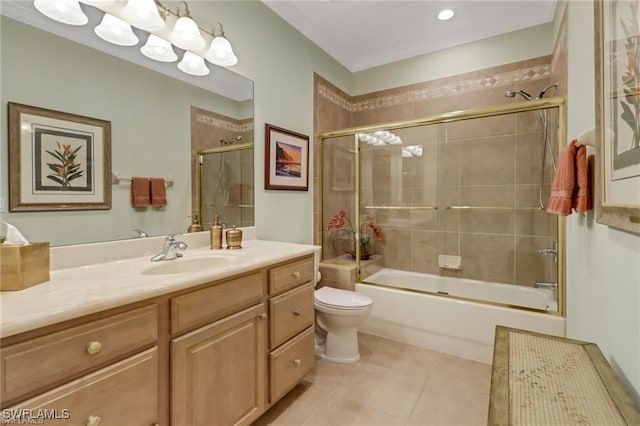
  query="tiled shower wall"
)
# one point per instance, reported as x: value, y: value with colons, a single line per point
x: 492, y: 162
x: 207, y: 128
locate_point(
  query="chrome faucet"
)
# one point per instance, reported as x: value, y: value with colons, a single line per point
x: 169, y: 249
x: 141, y: 233
x: 549, y: 285
x: 551, y: 251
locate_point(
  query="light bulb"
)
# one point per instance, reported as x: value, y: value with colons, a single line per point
x: 445, y: 14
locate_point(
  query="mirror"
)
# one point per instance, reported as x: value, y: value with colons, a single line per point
x: 149, y: 105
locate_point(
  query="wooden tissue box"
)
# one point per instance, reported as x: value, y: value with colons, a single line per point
x: 23, y: 266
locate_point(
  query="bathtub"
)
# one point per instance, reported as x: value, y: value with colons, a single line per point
x: 459, y: 327
x: 528, y: 297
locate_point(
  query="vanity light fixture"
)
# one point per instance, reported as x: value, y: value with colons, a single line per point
x: 158, y: 49
x: 193, y: 64
x: 116, y: 31
x: 65, y: 11
x: 446, y: 14
x: 143, y: 14
x: 185, y: 33
x: 165, y: 27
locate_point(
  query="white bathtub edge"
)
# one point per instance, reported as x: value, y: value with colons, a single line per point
x: 456, y: 327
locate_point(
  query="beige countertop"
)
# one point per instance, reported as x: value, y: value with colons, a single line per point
x: 81, y: 290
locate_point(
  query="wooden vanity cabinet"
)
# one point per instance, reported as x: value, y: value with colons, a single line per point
x: 291, y: 332
x: 220, y: 354
x: 99, y: 372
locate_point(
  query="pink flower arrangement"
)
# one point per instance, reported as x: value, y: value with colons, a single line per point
x: 341, y: 223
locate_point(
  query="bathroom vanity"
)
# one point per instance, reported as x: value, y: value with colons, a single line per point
x: 138, y: 343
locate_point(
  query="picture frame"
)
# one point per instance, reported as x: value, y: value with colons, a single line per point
x: 58, y: 160
x: 617, y: 51
x: 286, y: 159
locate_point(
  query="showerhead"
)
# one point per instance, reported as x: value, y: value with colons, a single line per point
x: 226, y: 142
x: 512, y: 94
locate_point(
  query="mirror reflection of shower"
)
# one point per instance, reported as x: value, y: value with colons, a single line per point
x: 546, y: 142
x: 221, y: 190
x: 225, y: 182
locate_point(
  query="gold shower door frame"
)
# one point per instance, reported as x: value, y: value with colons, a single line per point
x: 512, y: 108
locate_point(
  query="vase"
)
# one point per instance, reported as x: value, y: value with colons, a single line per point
x: 365, y: 254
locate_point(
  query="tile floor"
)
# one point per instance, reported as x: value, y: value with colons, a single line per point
x: 393, y: 384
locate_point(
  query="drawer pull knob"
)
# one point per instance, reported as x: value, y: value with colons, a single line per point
x: 296, y: 361
x: 262, y: 315
x: 92, y: 349
x: 93, y: 421
x: 296, y: 274
x: 296, y: 313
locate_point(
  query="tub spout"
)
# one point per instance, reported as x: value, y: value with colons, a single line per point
x: 546, y: 284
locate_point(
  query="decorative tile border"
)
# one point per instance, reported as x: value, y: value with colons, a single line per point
x: 223, y: 124
x: 532, y: 73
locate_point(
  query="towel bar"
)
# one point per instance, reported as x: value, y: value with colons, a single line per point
x: 116, y: 179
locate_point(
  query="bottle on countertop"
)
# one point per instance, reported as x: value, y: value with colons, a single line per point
x: 234, y: 238
x: 216, y: 234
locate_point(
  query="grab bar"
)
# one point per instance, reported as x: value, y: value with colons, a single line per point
x: 402, y: 207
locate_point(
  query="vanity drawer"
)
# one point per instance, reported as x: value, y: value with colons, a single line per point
x: 290, y: 363
x: 49, y: 359
x: 125, y: 393
x: 290, y: 313
x: 287, y: 276
x: 212, y: 303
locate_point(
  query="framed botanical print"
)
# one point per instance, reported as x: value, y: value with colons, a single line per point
x: 58, y: 160
x: 617, y: 47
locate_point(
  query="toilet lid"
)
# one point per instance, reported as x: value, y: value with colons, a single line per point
x: 341, y: 299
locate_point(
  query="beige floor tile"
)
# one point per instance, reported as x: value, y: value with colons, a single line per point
x: 340, y: 411
x: 328, y: 374
x: 473, y: 375
x: 295, y: 407
x: 390, y: 391
x: 404, y: 357
x: 393, y: 384
x: 443, y: 404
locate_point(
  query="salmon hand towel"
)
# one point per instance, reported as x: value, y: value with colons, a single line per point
x: 564, y: 182
x: 140, y: 196
x: 582, y: 199
x: 158, y: 192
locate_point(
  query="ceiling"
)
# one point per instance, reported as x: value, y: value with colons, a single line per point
x: 362, y: 34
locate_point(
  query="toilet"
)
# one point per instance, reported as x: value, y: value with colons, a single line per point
x: 338, y: 314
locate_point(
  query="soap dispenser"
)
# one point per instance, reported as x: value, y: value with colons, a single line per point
x: 195, y: 226
x: 216, y: 234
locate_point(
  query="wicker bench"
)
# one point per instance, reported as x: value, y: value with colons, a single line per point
x: 546, y: 380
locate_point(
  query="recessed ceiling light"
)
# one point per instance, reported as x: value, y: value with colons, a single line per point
x: 445, y: 14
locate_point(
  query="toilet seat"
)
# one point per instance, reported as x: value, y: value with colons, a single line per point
x: 341, y: 299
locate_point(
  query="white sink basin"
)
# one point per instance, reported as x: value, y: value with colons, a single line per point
x: 183, y: 266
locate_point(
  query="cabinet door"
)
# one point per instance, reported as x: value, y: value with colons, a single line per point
x: 218, y: 372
